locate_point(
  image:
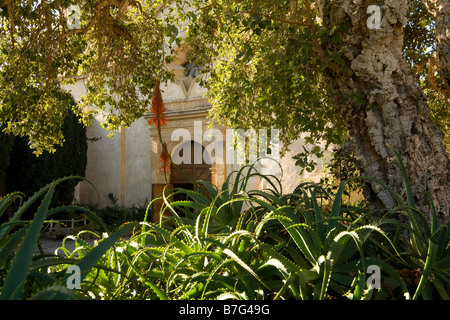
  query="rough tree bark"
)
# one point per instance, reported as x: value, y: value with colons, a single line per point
x: 391, y: 110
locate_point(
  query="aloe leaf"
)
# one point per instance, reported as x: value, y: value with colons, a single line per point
x: 212, y: 275
x: 392, y: 272
x: 339, y: 245
x: 236, y: 235
x: 440, y: 289
x: 229, y: 296
x: 214, y: 255
x: 406, y: 181
x: 359, y: 288
x: 300, y: 240
x: 174, y: 233
x: 163, y: 232
x: 57, y: 293
x: 291, y: 266
x: 53, y: 261
x: 8, y: 200
x: 304, y: 288
x: 233, y: 256
x: 93, y: 256
x: 278, y: 265
x: 16, y: 216
x: 434, y: 218
x: 318, y: 220
x: 178, y: 221
x: 210, y: 211
x: 15, y: 281
x: 429, y: 262
x: 297, y: 257
x: 368, y: 231
x: 335, y: 210
x: 188, y: 204
x: 287, y: 283
x: 443, y: 263
x: 212, y: 190
x: 197, y: 197
x: 275, y: 199
x: 194, y: 292
x: 11, y: 245
x: 326, y: 268
x: 175, y: 215
x: 160, y: 293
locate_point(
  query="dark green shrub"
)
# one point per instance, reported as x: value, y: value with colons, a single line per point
x: 342, y: 167
x: 27, y: 173
x: 6, y: 145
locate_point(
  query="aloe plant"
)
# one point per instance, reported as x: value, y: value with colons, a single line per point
x: 23, y: 272
x: 234, y: 243
x: 317, y: 251
x: 324, y: 251
x: 424, y: 242
x: 320, y: 254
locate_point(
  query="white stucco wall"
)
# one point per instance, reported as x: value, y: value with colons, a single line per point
x: 289, y: 175
x: 138, y: 164
x: 104, y: 162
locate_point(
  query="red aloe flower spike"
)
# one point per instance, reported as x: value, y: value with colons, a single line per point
x: 158, y: 108
x: 164, y: 158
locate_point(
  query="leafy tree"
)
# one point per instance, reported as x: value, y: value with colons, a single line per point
x: 28, y: 174
x: 321, y: 67
x: 39, y: 49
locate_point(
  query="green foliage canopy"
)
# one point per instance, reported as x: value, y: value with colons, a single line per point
x: 266, y: 63
x: 38, y: 51
x: 265, y: 71
x: 263, y: 60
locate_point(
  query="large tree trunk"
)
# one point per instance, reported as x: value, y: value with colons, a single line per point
x: 388, y: 107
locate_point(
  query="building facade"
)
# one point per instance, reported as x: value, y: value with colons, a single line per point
x: 127, y: 165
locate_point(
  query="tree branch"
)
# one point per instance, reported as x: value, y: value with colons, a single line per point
x: 433, y: 67
x: 163, y: 6
x: 10, y: 6
x: 210, y: 6
x: 320, y: 51
x: 268, y: 16
x: 440, y: 10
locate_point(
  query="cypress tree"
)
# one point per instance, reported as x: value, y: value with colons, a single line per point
x: 28, y: 173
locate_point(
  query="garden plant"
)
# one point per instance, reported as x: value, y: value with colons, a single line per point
x: 234, y: 243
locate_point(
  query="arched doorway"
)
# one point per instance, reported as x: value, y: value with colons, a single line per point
x: 192, y: 171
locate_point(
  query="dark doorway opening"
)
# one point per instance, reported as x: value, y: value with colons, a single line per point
x: 182, y: 196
